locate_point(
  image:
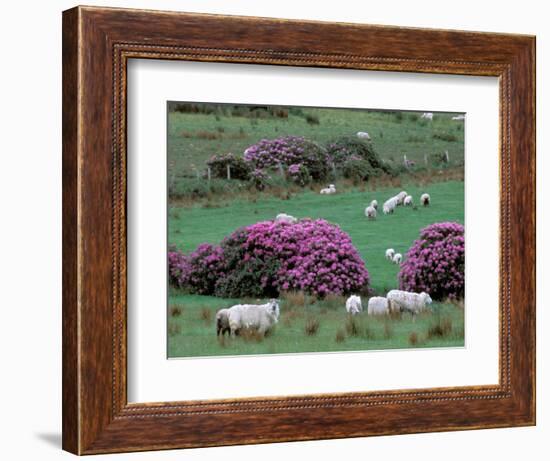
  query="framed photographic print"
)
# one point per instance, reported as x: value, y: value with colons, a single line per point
x: 286, y: 230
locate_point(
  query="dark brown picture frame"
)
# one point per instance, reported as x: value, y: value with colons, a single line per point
x: 97, y: 44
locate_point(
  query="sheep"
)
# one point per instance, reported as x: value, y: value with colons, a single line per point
x: 353, y: 305
x: 390, y: 205
x: 459, y: 117
x: 401, y: 197
x: 370, y: 212
x: 283, y: 217
x: 222, y: 322
x: 331, y: 189
x: 427, y: 115
x: 397, y: 257
x: 425, y: 199
x: 408, y: 200
x: 378, y: 306
x: 404, y: 301
x: 374, y: 204
x: 260, y: 317
x: 363, y: 135
x: 389, y: 254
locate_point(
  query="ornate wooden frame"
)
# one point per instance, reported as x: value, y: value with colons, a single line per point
x: 97, y: 43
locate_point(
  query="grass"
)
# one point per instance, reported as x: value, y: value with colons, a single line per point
x: 190, y: 226
x: 193, y: 138
x: 310, y: 328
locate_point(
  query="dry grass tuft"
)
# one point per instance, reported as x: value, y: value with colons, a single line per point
x: 176, y: 311
x: 174, y: 329
x: 294, y: 298
x: 413, y: 338
x: 340, y: 336
x: 388, y: 330
x: 442, y: 328
x: 206, y: 314
x: 311, y: 326
x: 250, y: 335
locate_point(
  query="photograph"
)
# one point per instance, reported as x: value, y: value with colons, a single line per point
x: 310, y: 229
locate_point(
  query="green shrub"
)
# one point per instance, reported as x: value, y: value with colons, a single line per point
x: 239, y: 168
x: 357, y: 169
x: 449, y: 137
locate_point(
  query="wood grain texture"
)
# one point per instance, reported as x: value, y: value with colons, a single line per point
x: 97, y: 43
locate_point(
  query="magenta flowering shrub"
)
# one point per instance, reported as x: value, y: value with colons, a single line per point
x: 313, y: 256
x: 289, y: 150
x: 259, y: 179
x: 299, y: 174
x: 178, y: 268
x: 435, y: 262
x: 200, y: 269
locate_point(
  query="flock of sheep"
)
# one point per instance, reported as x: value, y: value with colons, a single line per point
x: 261, y: 318
x: 393, y: 202
x: 396, y: 301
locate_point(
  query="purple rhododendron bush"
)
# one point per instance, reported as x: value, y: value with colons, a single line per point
x: 435, y: 262
x: 313, y: 256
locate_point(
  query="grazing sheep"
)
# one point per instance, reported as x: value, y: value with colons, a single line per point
x: 408, y: 200
x: 329, y: 190
x: 260, y: 317
x: 378, y: 306
x: 401, y: 197
x: 390, y: 205
x: 222, y: 322
x: 374, y: 204
x: 389, y: 254
x: 363, y: 135
x: 397, y: 258
x: 459, y: 117
x: 283, y: 217
x: 404, y: 301
x: 427, y: 115
x: 370, y: 212
x: 353, y: 305
x: 425, y: 199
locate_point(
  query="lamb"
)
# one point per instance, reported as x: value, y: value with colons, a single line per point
x: 427, y: 115
x: 283, y: 217
x: 401, y: 197
x: 363, y: 135
x: 222, y: 322
x: 374, y: 204
x: 378, y: 306
x: 331, y: 189
x: 389, y: 254
x: 408, y: 200
x: 397, y: 257
x: 425, y: 199
x: 404, y: 301
x: 353, y: 305
x: 370, y: 212
x: 260, y: 317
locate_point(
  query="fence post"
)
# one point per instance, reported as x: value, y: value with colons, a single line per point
x: 281, y: 170
x: 426, y: 159
x: 198, y: 174
x: 209, y: 174
x: 447, y: 156
x: 228, y: 171
x: 333, y: 166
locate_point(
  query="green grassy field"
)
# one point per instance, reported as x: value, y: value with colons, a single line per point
x: 190, y: 226
x: 191, y: 329
x: 393, y: 135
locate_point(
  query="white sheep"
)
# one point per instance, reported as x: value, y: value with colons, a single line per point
x: 259, y: 317
x: 405, y: 301
x: 222, y: 322
x: 427, y: 115
x: 408, y: 200
x: 425, y: 199
x: 389, y: 254
x: 378, y: 306
x: 389, y: 205
x: 374, y: 204
x: 363, y: 135
x: 353, y: 305
x: 283, y: 217
x: 331, y: 189
x: 401, y: 197
x: 397, y: 258
x: 459, y: 117
x: 370, y: 212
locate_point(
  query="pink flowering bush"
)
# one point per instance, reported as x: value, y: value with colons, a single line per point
x: 435, y: 262
x: 299, y: 174
x: 313, y: 256
x: 199, y: 270
x: 289, y: 150
x: 259, y: 179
